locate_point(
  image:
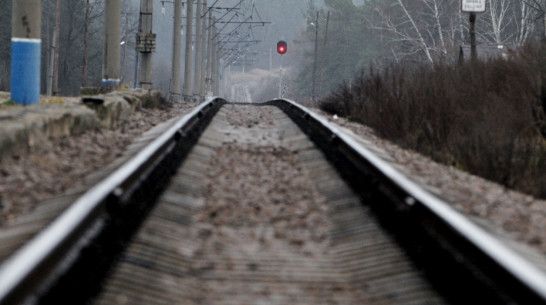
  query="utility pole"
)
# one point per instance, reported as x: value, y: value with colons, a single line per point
x: 315, y: 61
x: 323, y: 53
x: 146, y: 43
x: 112, y: 29
x: 210, y: 45
x: 25, y: 51
x: 198, y: 46
x: 280, y: 80
x: 204, y: 49
x: 186, y: 89
x: 214, y: 72
x: 177, y: 46
x: 220, y: 77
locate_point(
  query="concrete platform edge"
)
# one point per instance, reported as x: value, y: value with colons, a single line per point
x: 24, y: 127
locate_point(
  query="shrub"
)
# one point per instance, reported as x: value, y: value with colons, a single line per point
x: 486, y: 118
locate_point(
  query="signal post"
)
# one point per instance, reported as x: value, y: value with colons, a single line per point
x: 282, y: 47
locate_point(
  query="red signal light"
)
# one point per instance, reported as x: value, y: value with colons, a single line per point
x: 281, y: 47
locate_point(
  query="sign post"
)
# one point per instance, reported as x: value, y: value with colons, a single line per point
x: 473, y: 7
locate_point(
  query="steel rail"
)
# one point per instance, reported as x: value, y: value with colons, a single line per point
x: 20, y: 273
x: 518, y: 280
x: 520, y: 272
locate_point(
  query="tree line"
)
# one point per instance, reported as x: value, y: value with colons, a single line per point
x: 80, y: 44
x: 486, y: 117
x: 352, y: 37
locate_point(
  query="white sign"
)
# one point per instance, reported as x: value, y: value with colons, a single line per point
x: 473, y: 6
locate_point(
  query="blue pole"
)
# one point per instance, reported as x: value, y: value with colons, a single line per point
x: 25, y: 51
x: 25, y: 70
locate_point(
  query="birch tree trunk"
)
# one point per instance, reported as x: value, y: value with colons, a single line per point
x: 421, y: 40
x: 497, y: 11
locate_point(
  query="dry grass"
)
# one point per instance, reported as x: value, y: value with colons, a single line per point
x: 487, y: 118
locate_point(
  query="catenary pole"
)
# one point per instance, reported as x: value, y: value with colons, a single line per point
x: 210, y: 45
x: 315, y: 60
x: 112, y: 56
x: 198, y: 46
x: 175, y: 93
x: 25, y: 51
x: 146, y: 43
x: 204, y: 49
x: 323, y: 52
x: 214, y: 69
x: 187, y: 89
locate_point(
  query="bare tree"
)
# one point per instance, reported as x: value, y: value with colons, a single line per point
x: 419, y: 39
x: 433, y: 29
x: 499, y: 19
x: 526, y: 25
x: 426, y: 27
x: 508, y: 22
x: 539, y: 8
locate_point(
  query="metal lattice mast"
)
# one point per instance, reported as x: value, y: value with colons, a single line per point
x: 146, y: 43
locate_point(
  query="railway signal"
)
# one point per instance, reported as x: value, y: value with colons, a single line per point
x: 281, y: 47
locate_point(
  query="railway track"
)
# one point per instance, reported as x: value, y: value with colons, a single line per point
x: 233, y: 204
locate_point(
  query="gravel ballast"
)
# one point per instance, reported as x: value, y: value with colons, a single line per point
x: 256, y: 215
x: 63, y: 163
x: 53, y: 167
x: 510, y: 214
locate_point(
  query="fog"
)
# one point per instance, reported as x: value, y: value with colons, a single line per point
x: 361, y: 34
x: 282, y: 20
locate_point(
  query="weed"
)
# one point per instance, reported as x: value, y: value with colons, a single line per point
x: 7, y: 103
x: 52, y: 101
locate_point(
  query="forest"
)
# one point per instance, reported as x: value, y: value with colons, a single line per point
x: 377, y: 33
